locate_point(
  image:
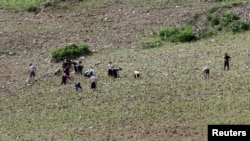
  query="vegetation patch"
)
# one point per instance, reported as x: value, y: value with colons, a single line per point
x: 228, y: 22
x: 222, y: 17
x: 177, y: 34
x: 19, y: 5
x: 70, y: 51
x: 180, y: 34
x: 152, y: 43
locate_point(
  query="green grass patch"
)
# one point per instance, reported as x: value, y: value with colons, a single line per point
x: 21, y: 5
x: 180, y: 34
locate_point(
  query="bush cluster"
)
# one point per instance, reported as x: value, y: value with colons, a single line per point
x: 70, y: 51
x: 181, y: 34
x: 227, y: 22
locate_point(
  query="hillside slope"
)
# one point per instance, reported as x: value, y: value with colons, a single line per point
x: 171, y: 101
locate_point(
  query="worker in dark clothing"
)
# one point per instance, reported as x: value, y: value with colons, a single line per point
x: 116, y: 71
x: 226, y: 58
x: 64, y: 78
x: 78, y: 86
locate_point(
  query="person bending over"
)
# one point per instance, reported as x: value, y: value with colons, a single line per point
x: 93, y: 81
x: 116, y: 71
x: 136, y: 74
x: 78, y: 86
x: 206, y: 72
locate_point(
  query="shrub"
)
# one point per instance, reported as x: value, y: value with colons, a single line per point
x: 166, y: 33
x: 181, y: 34
x: 70, y: 51
x: 227, y: 18
x: 230, y: 16
x: 213, y: 19
x: 219, y: 28
x: 238, y: 26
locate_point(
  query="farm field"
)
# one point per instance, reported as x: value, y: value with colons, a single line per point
x: 171, y: 101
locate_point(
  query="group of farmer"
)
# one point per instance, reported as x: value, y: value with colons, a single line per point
x: 78, y: 68
x: 112, y: 71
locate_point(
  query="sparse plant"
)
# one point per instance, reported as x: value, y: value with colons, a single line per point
x: 213, y: 19
x: 231, y: 16
x: 207, y: 33
x: 193, y: 19
x: 238, y: 26
x: 153, y: 43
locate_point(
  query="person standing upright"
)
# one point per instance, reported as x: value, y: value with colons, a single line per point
x: 64, y: 78
x: 226, y: 58
x: 32, y: 71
